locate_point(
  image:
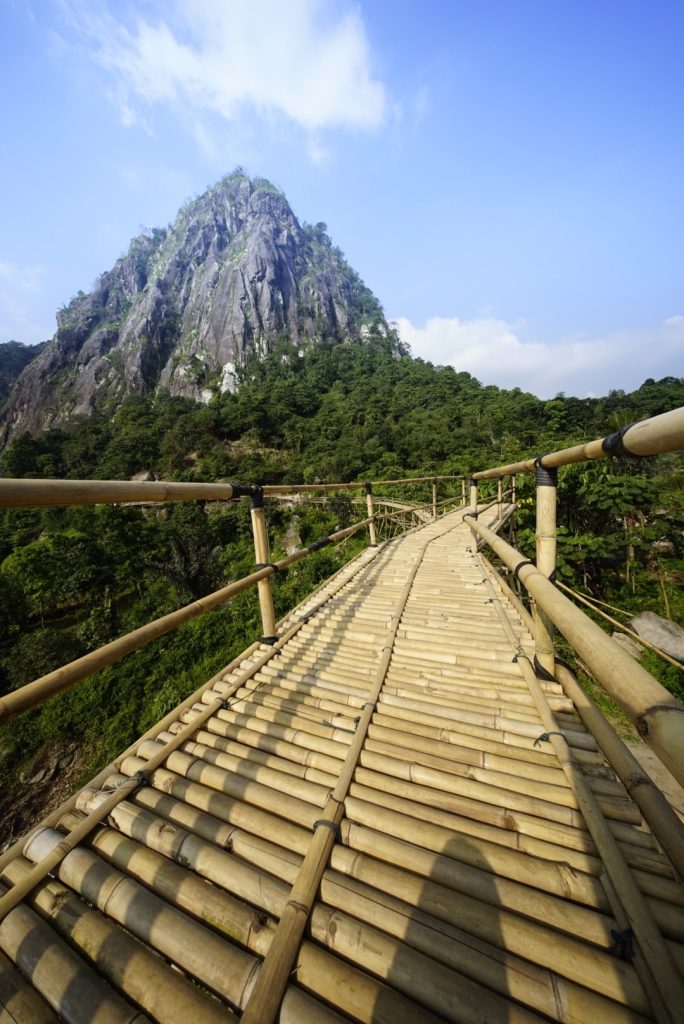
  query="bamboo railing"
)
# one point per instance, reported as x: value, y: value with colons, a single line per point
x: 657, y: 715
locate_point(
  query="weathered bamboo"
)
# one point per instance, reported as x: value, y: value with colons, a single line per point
x: 76, y: 992
x: 546, y: 480
x: 372, y: 536
x: 263, y: 558
x: 60, y: 679
x: 307, y: 488
x: 620, y: 625
x: 499, y: 491
x: 661, y: 980
x: 665, y: 824
x: 265, y: 999
x: 434, y: 499
x: 654, y: 436
x: 657, y: 715
x: 127, y: 964
x: 19, y: 1002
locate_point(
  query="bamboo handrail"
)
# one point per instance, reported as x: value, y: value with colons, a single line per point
x: 24, y: 493
x: 304, y: 488
x: 657, y: 715
x: 658, y: 974
x: 654, y: 436
x: 61, y: 678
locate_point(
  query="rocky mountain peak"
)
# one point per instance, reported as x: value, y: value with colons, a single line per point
x: 187, y: 305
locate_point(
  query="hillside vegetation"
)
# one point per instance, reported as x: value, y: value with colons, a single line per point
x: 72, y: 579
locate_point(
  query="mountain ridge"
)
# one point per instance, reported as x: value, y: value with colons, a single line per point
x: 187, y: 306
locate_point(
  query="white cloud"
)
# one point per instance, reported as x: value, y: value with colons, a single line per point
x: 493, y: 351
x: 299, y: 59
x: 20, y: 289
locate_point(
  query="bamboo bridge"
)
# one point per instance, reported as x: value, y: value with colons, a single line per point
x: 397, y: 805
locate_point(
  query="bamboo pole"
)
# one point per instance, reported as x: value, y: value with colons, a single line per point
x: 434, y: 499
x: 654, y: 436
x: 620, y: 625
x: 60, y: 679
x: 19, y: 1002
x: 372, y: 536
x: 273, y: 489
x: 546, y: 481
x: 659, y: 976
x: 263, y: 557
x: 128, y: 965
x: 263, y: 1004
x: 73, y: 990
x: 663, y: 821
x: 657, y: 715
x: 20, y: 493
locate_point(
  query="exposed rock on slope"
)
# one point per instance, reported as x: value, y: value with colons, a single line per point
x: 187, y: 305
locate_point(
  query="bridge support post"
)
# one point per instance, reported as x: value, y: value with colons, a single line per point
x: 463, y: 492
x: 263, y: 557
x: 513, y: 489
x: 546, y: 480
x: 434, y: 499
x: 499, y: 493
x: 373, y: 537
x: 473, y: 510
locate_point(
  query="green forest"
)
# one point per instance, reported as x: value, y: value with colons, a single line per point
x: 72, y: 579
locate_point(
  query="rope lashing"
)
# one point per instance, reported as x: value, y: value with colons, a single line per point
x: 545, y: 736
x: 623, y: 944
x: 326, y: 823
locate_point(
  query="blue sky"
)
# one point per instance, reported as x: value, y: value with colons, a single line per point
x: 506, y: 176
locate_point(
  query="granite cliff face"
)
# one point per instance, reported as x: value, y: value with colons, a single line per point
x: 187, y: 305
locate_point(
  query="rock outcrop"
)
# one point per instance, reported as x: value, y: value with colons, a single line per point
x: 188, y: 305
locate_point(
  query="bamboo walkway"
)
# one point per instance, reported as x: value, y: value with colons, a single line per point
x: 459, y: 881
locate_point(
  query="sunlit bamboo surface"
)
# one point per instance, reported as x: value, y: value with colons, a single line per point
x: 382, y: 817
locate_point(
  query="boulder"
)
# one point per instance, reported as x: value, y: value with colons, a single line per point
x: 662, y: 633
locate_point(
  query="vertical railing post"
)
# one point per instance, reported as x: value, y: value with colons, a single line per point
x: 499, y: 493
x: 262, y: 554
x: 473, y: 509
x: 373, y: 537
x: 513, y: 489
x: 546, y: 480
x: 434, y: 499
x: 463, y: 491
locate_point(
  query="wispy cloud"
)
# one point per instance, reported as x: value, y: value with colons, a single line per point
x: 20, y: 288
x: 493, y: 351
x: 304, y: 60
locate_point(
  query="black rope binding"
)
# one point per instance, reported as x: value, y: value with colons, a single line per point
x: 615, y: 445
x: 256, y: 499
x: 243, y: 490
x: 316, y: 545
x: 369, y: 487
x: 267, y: 565
x: 268, y: 640
x: 520, y: 565
x: 544, y: 737
x: 545, y: 477
x: 141, y: 778
x: 326, y: 823
x: 623, y: 944
x: 541, y: 672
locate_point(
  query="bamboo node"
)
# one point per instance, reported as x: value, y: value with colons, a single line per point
x: 623, y: 944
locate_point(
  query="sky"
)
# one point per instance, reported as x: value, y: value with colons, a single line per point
x: 506, y: 176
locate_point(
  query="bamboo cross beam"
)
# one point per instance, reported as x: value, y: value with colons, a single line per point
x: 21, y: 493
x: 657, y: 715
x: 654, y: 436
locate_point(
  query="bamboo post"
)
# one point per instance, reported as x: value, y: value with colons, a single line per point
x: 463, y: 491
x: 547, y: 480
x: 499, y: 492
x: 263, y: 556
x: 373, y: 537
x: 434, y: 498
x: 513, y: 499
